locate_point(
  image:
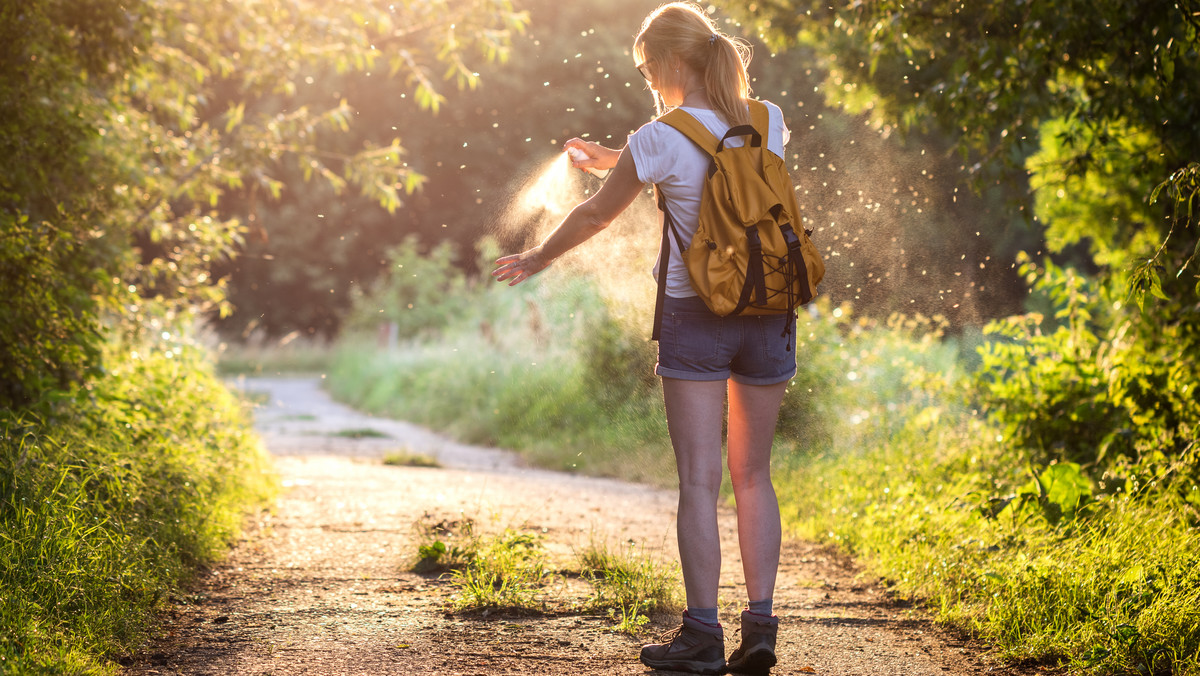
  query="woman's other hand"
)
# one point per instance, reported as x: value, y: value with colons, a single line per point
x: 519, y: 267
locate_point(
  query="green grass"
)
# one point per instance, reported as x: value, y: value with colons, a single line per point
x: 1113, y: 588
x: 109, y: 502
x: 406, y: 458
x: 629, y: 585
x: 445, y: 545
x: 361, y: 433
x: 508, y: 573
x: 258, y: 356
x: 505, y: 380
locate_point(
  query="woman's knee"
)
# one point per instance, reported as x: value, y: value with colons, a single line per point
x: 700, y: 485
x: 750, y: 478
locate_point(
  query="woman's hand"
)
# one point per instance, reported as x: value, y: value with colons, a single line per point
x: 594, y: 155
x: 519, y: 267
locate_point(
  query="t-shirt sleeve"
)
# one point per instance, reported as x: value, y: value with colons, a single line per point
x: 775, y: 116
x: 653, y: 153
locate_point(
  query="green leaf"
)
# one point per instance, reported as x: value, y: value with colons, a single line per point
x: 1156, y: 289
x: 236, y: 114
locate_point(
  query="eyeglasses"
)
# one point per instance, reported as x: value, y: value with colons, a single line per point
x: 644, y: 70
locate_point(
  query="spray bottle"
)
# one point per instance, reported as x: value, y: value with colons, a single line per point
x: 580, y: 156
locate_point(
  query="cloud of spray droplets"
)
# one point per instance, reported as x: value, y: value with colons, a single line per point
x: 620, y: 258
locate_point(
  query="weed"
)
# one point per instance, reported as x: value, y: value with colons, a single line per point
x: 407, y: 458
x: 361, y: 433
x: 445, y: 545
x: 508, y: 574
x: 628, y: 584
x: 503, y: 572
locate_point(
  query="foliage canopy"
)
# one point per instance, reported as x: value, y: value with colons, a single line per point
x: 123, y: 125
x: 1102, y: 94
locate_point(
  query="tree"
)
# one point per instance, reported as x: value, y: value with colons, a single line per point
x: 886, y: 214
x: 117, y: 154
x: 57, y: 262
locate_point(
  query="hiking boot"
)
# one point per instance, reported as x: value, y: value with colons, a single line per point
x: 756, y: 654
x: 693, y: 647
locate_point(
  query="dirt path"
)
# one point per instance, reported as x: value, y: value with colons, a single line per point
x: 322, y: 586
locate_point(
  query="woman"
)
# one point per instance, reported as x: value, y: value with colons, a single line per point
x: 703, y: 358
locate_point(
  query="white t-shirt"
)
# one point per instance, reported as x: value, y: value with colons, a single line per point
x: 665, y: 157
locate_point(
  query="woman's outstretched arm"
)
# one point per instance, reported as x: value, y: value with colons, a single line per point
x: 585, y: 220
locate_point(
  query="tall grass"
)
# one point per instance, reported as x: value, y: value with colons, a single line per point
x: 880, y: 450
x: 544, y: 367
x: 258, y: 356
x: 109, y: 501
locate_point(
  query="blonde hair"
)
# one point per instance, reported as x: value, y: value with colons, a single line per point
x: 684, y: 30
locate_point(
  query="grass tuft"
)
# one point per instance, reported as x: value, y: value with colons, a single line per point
x: 361, y: 433
x: 407, y: 458
x: 445, y: 545
x: 629, y: 585
x: 508, y: 573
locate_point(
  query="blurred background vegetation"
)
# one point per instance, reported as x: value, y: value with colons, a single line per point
x: 995, y: 409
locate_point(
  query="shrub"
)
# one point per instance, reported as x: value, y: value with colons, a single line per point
x: 1084, y: 387
x: 109, y: 502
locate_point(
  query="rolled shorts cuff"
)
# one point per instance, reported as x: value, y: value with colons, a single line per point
x: 746, y: 380
x: 665, y: 372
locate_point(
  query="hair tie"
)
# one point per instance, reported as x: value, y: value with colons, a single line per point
x: 712, y: 39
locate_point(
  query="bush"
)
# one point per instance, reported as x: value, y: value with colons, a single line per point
x: 421, y: 293
x: 1085, y: 387
x: 109, y: 502
x: 1018, y: 554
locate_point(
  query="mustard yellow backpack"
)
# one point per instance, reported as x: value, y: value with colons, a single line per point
x: 750, y: 254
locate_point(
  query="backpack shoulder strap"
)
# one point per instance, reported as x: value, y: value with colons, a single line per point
x: 693, y: 129
x: 760, y: 117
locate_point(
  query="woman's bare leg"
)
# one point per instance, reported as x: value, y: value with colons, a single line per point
x: 695, y: 412
x: 753, y: 412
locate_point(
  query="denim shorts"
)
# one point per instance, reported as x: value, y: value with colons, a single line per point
x: 696, y: 344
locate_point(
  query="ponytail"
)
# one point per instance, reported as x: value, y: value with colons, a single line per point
x: 725, y: 78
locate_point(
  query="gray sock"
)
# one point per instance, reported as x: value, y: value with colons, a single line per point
x: 761, y: 607
x: 705, y: 615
